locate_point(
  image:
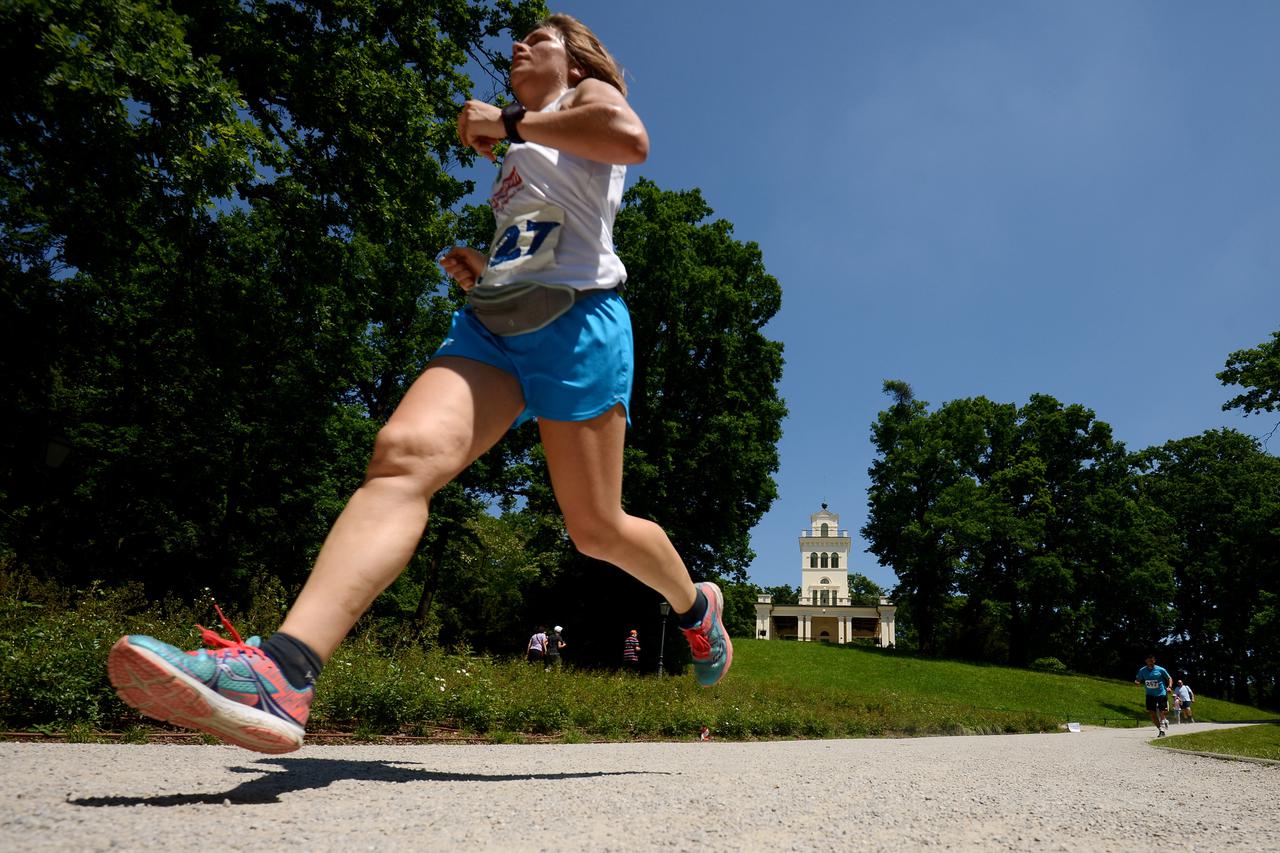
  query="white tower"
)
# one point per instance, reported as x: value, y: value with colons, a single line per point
x: 825, y: 614
x: 824, y: 561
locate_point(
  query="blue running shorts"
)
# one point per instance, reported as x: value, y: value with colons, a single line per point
x: 580, y: 366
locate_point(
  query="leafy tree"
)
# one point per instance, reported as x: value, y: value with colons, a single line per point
x: 1016, y: 533
x: 1257, y: 370
x: 1039, y: 550
x: 863, y: 589
x: 740, y: 609
x: 1124, y: 584
x: 485, y: 594
x: 1221, y: 493
x: 783, y: 594
x: 912, y: 470
x: 218, y: 223
x: 706, y: 412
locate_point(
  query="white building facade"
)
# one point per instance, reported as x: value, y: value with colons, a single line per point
x: 826, y: 613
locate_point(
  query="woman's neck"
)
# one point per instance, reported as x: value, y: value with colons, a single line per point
x: 541, y: 99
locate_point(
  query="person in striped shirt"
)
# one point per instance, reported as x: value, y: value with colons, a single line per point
x: 631, y: 651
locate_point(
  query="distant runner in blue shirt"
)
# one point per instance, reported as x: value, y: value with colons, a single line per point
x: 1157, y: 682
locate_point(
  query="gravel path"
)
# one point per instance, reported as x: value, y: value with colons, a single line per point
x: 1102, y: 789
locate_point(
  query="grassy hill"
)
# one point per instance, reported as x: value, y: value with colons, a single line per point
x: 859, y: 670
x: 775, y: 689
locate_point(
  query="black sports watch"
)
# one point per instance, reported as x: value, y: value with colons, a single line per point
x: 511, y: 115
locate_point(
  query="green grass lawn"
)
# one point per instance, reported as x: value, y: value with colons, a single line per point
x: 1249, y: 741
x: 775, y: 690
x: 867, y: 671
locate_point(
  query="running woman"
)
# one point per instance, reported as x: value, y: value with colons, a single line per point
x: 1157, y: 682
x: 545, y: 335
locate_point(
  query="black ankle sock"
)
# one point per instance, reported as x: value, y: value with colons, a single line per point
x: 300, y: 665
x: 695, y: 614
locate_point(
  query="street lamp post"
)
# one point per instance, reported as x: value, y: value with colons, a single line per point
x: 664, y: 608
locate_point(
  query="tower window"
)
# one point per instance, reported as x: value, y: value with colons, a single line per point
x: 813, y: 560
x: 835, y: 561
x: 824, y: 528
x: 824, y: 561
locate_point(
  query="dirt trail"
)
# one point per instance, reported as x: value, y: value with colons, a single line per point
x: 1102, y: 789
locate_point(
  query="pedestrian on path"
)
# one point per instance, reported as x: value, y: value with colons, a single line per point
x: 1156, y: 682
x: 1187, y: 697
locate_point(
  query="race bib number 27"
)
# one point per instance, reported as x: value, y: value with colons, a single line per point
x: 528, y: 242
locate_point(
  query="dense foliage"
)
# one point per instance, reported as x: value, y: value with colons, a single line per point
x: 218, y: 226
x: 1257, y: 370
x: 1220, y: 494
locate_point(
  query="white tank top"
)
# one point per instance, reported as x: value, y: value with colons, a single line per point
x: 554, y: 214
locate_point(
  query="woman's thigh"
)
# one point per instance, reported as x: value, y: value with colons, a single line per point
x: 455, y: 411
x: 584, y: 459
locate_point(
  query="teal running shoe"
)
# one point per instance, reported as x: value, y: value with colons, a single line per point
x: 233, y: 691
x: 709, y: 641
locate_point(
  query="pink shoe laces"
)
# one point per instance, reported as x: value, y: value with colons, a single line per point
x: 219, y: 643
x: 698, y: 643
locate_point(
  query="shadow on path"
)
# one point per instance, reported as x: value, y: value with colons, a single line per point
x: 1134, y: 713
x: 301, y: 774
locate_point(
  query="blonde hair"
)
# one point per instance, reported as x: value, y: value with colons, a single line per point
x: 585, y: 50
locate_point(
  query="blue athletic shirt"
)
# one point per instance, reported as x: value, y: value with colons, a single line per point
x: 1154, y: 678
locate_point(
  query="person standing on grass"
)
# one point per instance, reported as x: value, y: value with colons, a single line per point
x: 555, y: 642
x: 1184, y: 694
x: 1157, y: 682
x: 545, y: 335
x: 537, y: 646
x: 631, y: 652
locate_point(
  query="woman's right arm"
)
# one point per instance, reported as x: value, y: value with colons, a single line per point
x: 464, y: 265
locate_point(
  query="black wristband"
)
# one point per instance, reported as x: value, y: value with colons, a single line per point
x: 511, y: 115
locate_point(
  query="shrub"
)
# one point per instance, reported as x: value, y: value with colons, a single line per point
x: 55, y: 660
x: 1049, y: 665
x: 362, y: 686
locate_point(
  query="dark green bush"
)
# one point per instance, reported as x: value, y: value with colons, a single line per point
x: 55, y: 660
x: 1049, y: 665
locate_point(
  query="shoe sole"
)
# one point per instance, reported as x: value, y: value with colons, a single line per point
x: 146, y: 682
x: 718, y: 612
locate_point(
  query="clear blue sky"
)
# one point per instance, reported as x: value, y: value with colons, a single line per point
x: 981, y: 198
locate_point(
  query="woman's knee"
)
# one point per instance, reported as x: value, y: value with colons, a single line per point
x: 428, y: 457
x: 597, y: 536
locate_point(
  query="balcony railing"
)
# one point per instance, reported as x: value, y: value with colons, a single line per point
x: 856, y: 601
x: 832, y: 533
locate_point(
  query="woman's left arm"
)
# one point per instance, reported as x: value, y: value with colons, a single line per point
x: 594, y: 122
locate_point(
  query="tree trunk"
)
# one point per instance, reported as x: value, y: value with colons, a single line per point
x: 429, y: 584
